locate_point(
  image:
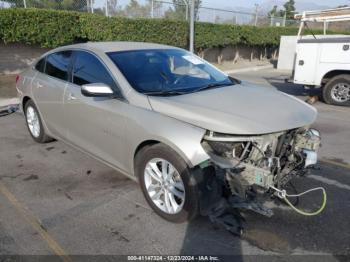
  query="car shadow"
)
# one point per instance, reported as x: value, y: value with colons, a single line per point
x: 203, y: 239
x: 285, y: 233
x: 290, y: 88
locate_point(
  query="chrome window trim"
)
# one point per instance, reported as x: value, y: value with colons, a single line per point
x: 122, y: 98
x: 70, y: 81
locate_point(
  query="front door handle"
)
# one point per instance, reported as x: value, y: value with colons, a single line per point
x: 39, y: 85
x: 71, y: 97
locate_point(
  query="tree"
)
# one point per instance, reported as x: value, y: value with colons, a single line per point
x: 157, y: 7
x: 273, y: 11
x: 134, y: 9
x: 113, y: 9
x: 289, y: 9
x: 178, y: 11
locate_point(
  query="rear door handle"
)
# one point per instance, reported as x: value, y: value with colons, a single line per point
x: 71, y: 97
x: 39, y: 85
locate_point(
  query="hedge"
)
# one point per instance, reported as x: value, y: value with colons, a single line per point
x: 52, y: 28
x: 47, y: 28
x: 95, y: 27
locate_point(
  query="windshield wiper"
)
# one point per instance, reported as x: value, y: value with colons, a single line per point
x: 212, y: 85
x: 164, y: 93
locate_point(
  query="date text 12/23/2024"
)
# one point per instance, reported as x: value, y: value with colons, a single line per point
x: 173, y: 258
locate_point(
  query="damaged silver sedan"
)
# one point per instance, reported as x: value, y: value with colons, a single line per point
x: 197, y: 141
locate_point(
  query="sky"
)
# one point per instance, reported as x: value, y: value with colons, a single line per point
x: 251, y: 3
x: 232, y: 4
x: 247, y: 5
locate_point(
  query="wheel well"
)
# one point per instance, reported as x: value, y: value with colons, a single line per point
x: 148, y: 143
x: 332, y: 74
x: 145, y: 144
x: 24, y: 101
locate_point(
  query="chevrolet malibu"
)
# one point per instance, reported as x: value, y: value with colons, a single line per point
x: 191, y: 135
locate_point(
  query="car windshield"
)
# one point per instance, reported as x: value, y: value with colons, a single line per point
x: 167, y: 71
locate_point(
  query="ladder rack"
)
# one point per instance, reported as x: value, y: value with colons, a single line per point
x: 327, y: 15
x: 322, y: 16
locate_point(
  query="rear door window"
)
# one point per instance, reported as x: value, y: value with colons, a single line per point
x: 87, y: 69
x: 40, y: 66
x: 57, y: 64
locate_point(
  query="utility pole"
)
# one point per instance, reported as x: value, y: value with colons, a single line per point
x: 272, y: 18
x: 256, y: 14
x: 152, y: 8
x: 186, y: 4
x: 92, y: 6
x: 284, y: 18
x: 187, y: 12
x: 24, y: 3
x: 192, y: 26
x: 107, y: 8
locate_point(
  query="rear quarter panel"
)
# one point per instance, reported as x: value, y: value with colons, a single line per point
x: 24, y: 85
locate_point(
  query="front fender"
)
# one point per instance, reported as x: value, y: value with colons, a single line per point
x: 185, y: 139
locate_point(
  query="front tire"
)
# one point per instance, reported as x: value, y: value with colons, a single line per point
x: 337, y: 91
x: 167, y: 183
x: 34, y: 123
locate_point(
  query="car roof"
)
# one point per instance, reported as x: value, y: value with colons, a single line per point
x: 116, y: 46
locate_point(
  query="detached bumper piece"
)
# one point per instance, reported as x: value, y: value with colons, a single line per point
x: 222, y: 215
x: 223, y: 209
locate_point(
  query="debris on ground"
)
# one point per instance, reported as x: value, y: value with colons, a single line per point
x: 31, y: 177
x: 312, y: 100
x: 9, y: 109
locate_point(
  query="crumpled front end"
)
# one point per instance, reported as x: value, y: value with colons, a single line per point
x: 247, y: 169
x: 253, y: 164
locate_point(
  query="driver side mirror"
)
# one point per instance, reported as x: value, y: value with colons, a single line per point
x: 97, y: 90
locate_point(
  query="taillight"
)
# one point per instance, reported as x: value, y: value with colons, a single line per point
x: 17, y: 78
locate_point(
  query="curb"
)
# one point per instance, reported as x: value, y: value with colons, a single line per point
x: 247, y: 69
x: 8, y: 101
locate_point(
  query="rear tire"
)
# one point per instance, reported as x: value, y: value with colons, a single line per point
x: 337, y: 91
x: 34, y: 123
x: 188, y: 208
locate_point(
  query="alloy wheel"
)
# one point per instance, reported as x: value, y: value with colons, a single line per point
x: 164, y: 185
x: 33, y: 121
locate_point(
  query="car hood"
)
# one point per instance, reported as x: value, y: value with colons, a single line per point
x: 237, y: 109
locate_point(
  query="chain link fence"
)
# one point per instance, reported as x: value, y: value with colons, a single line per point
x: 178, y: 10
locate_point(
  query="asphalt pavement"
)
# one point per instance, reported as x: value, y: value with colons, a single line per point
x: 56, y: 200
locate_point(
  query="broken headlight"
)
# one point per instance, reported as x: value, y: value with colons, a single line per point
x: 228, y: 149
x: 308, y: 143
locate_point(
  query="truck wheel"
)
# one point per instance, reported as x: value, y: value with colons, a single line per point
x: 337, y: 91
x: 167, y: 183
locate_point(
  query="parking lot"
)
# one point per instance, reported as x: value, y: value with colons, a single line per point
x: 56, y: 200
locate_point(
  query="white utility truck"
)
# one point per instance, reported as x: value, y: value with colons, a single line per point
x: 324, y: 62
